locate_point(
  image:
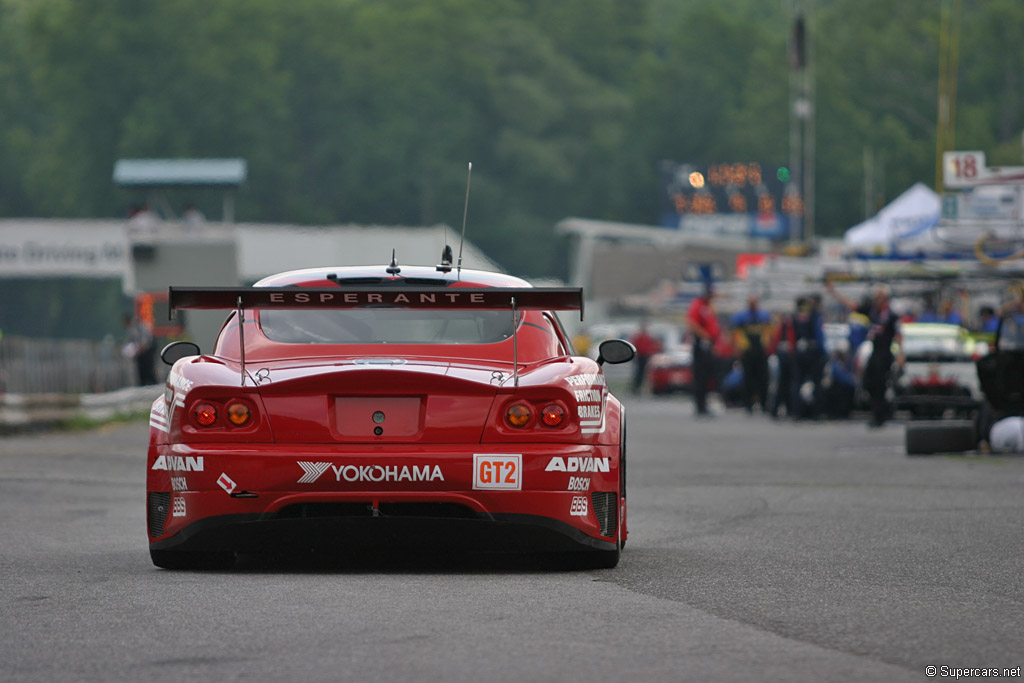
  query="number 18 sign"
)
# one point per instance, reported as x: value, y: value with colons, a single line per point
x: 968, y: 169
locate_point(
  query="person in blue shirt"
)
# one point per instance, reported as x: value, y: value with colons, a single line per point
x: 946, y: 313
x: 752, y: 330
x: 808, y: 358
x: 837, y: 387
x: 988, y: 321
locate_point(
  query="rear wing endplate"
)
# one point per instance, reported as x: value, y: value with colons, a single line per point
x: 514, y: 299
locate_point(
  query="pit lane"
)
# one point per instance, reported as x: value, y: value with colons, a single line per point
x: 759, y: 550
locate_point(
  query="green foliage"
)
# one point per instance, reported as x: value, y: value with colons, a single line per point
x: 368, y: 110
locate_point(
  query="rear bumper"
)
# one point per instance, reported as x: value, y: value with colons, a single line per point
x: 501, y: 533
x: 246, y: 500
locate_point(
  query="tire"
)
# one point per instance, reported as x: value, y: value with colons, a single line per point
x: 184, y: 559
x: 941, y: 436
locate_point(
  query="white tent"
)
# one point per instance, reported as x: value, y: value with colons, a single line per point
x: 903, y: 227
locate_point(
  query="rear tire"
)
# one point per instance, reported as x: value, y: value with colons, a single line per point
x: 185, y: 559
x: 943, y: 436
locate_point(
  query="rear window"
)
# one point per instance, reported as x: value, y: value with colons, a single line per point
x: 935, y: 346
x: 386, y: 326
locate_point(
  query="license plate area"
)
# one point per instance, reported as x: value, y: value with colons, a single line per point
x: 378, y: 417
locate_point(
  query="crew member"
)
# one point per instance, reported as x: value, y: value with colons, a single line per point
x: 140, y: 347
x: 751, y: 334
x: 884, y: 331
x: 783, y: 343
x: 646, y: 346
x: 703, y: 322
x: 837, y: 387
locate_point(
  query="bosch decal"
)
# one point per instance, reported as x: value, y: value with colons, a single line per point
x: 179, y: 484
x: 579, y: 484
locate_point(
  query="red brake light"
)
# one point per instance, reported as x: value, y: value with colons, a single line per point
x: 204, y: 414
x: 517, y: 415
x: 238, y: 414
x: 553, y: 415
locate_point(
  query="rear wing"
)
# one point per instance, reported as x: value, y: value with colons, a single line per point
x: 463, y: 298
x: 514, y: 299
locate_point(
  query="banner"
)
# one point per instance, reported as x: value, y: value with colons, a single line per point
x: 55, y: 248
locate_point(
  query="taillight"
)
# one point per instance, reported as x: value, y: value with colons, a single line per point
x: 204, y: 414
x: 238, y: 413
x: 517, y: 415
x: 553, y: 415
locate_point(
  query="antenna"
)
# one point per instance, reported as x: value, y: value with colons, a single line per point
x: 393, y: 269
x: 445, y: 266
x: 465, y: 210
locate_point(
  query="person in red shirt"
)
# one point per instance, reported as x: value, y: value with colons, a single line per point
x: 703, y: 322
x: 646, y: 346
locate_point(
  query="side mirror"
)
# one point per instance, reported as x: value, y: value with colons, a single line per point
x: 177, y: 350
x: 615, y: 351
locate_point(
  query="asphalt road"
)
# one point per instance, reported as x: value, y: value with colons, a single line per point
x: 759, y: 551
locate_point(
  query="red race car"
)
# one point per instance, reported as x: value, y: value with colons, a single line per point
x: 370, y: 409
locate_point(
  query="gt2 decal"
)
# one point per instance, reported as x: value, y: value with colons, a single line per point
x: 579, y: 506
x: 579, y: 484
x: 178, y: 507
x: 177, y: 463
x: 575, y: 464
x: 497, y: 472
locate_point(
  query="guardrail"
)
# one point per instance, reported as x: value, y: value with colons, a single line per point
x: 62, y: 366
x: 28, y: 412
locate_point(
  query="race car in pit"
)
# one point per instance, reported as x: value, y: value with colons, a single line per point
x: 1000, y: 374
x: 363, y: 410
x: 937, y: 373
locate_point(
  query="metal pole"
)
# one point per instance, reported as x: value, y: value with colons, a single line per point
x: 809, y: 146
x: 515, y: 345
x: 241, y: 336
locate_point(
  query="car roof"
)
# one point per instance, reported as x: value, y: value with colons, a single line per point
x: 412, y: 275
